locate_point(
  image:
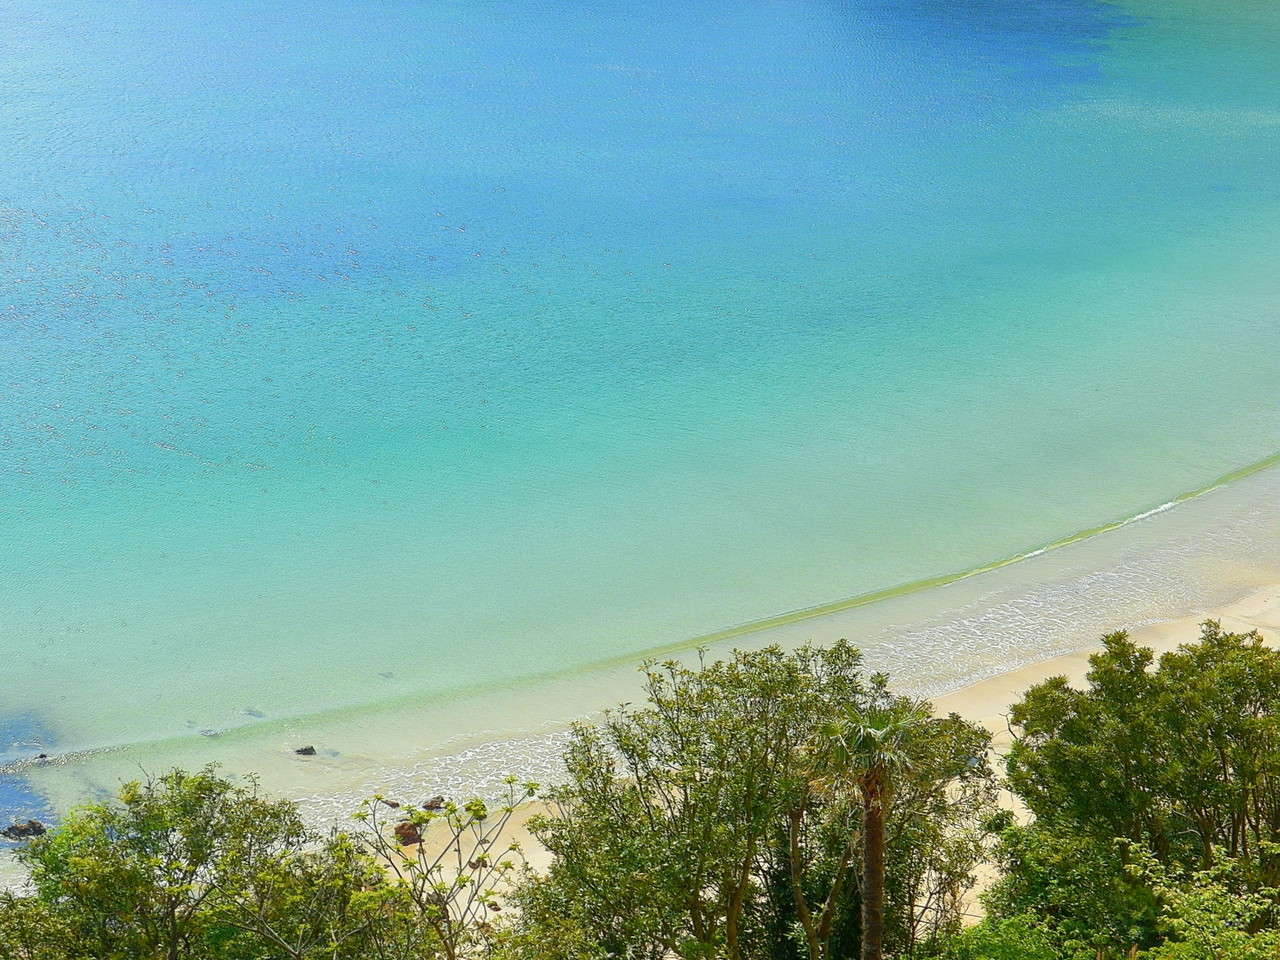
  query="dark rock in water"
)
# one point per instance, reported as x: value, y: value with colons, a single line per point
x: 435, y: 803
x: 306, y: 751
x: 408, y: 833
x: 25, y: 743
x: 23, y: 831
x: 393, y: 804
x: 250, y: 712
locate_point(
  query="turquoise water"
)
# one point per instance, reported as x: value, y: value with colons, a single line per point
x: 361, y: 352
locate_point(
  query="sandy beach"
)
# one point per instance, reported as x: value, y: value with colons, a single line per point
x: 973, y: 645
x: 988, y: 701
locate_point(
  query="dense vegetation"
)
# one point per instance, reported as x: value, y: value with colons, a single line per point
x: 736, y: 813
x: 774, y: 806
x: 1156, y: 802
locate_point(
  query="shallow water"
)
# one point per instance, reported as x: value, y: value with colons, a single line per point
x: 1182, y: 561
x: 357, y: 356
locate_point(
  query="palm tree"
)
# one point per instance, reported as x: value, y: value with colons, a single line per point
x: 864, y: 750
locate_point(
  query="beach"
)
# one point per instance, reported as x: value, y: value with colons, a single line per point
x: 988, y: 702
x: 377, y: 434
x: 972, y: 645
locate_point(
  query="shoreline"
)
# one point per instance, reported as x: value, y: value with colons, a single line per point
x: 801, y: 615
x: 973, y: 645
x: 1179, y: 563
x: 987, y: 702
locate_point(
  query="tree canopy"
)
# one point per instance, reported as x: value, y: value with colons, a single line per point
x: 1156, y: 770
x: 775, y: 805
x: 728, y: 816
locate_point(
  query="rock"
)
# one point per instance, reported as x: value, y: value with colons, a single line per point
x: 306, y: 751
x: 42, y: 756
x: 23, y: 831
x: 435, y: 803
x: 393, y: 804
x: 407, y: 833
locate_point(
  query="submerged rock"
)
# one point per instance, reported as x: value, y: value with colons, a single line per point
x: 306, y: 751
x: 23, y: 831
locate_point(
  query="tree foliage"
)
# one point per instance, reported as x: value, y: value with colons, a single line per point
x: 866, y: 750
x: 717, y: 820
x: 1206, y: 916
x: 1174, y: 763
x: 778, y: 805
x: 140, y: 878
x: 200, y: 867
x: 455, y: 879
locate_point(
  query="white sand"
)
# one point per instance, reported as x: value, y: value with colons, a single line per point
x: 988, y: 701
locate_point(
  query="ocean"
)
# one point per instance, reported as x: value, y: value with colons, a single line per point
x: 357, y: 357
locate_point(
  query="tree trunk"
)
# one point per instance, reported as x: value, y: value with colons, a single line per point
x: 736, y: 900
x: 873, y: 870
x: 795, y: 815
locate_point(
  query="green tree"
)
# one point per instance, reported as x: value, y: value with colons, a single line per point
x: 546, y: 927
x: 682, y: 823
x: 1075, y: 888
x: 132, y: 879
x: 198, y: 867
x: 936, y: 830
x: 1097, y: 759
x: 30, y: 930
x: 1178, y: 759
x: 1003, y: 938
x: 921, y: 785
x: 865, y: 749
x: 1206, y: 917
x: 454, y: 865
x: 668, y: 809
x: 329, y: 899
